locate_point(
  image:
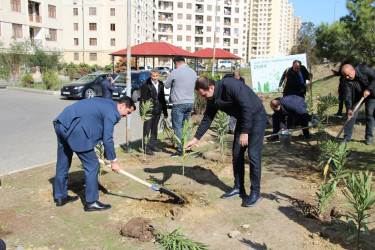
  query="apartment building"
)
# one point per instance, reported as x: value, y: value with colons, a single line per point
x: 272, y: 28
x: 95, y: 28
x: 39, y: 20
x: 190, y: 25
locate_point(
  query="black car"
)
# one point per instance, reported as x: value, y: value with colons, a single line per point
x: 137, y: 79
x: 87, y: 86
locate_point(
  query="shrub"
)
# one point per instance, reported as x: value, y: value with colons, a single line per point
x: 27, y: 80
x: 50, y: 79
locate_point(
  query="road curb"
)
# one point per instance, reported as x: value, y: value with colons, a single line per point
x: 41, y: 91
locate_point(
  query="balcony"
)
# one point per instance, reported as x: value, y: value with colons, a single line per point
x: 227, y: 11
x: 35, y: 18
x: 227, y: 2
x: 166, y: 18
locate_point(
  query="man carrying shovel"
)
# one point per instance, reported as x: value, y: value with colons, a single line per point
x: 236, y: 99
x: 360, y: 82
x: 79, y: 128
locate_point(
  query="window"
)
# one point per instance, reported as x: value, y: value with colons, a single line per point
x: 17, y: 30
x: 208, y: 28
x: 179, y: 27
x: 76, y: 56
x: 235, y: 51
x: 75, y: 11
x: 113, y: 27
x: 209, y: 7
x: 112, y: 12
x: 15, y: 5
x: 113, y: 42
x: 93, y: 56
x: 92, y: 26
x: 180, y: 5
x: 235, y: 41
x: 209, y: 18
x: 93, y: 41
x: 51, y: 11
x: 188, y: 27
x: 179, y: 38
x: 188, y: 49
x: 236, y: 20
x: 188, y: 38
x: 76, y: 42
x: 179, y: 16
x: 53, y: 35
x: 188, y: 16
x: 218, y: 19
x: 75, y: 26
x: 188, y: 5
x: 208, y: 39
x: 237, y: 10
x: 92, y: 11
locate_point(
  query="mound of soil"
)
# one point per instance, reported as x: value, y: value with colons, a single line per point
x: 138, y: 228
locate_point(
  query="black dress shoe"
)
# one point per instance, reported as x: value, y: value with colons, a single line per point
x: 253, y: 199
x: 63, y: 201
x: 155, y: 149
x: 96, y: 206
x: 235, y: 192
x: 149, y: 152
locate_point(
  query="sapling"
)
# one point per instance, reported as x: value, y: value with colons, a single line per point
x: 326, y: 190
x: 221, y: 123
x: 325, y: 102
x: 145, y: 114
x: 177, y: 240
x: 99, y: 149
x: 168, y: 132
x: 360, y: 196
x: 185, y: 133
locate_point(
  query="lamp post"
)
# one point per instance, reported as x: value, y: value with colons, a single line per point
x: 128, y: 73
x: 214, y: 46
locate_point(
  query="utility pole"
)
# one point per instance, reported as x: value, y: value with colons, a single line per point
x: 128, y: 74
x: 214, y: 46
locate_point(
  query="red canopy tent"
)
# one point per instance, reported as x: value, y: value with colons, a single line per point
x: 219, y: 54
x: 153, y: 49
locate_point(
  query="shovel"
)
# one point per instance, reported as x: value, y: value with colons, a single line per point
x: 346, y: 122
x: 161, y: 190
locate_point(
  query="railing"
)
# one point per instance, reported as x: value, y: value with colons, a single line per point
x: 37, y: 18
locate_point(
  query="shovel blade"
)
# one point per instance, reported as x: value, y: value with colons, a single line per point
x: 169, y: 193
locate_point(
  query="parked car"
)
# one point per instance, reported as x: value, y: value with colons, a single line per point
x: 163, y: 70
x: 225, y: 64
x: 145, y: 67
x: 87, y: 86
x: 137, y: 79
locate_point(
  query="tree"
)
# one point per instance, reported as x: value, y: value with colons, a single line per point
x: 306, y: 43
x: 45, y: 60
x: 350, y: 39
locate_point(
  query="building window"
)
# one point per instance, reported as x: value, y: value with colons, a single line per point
x: 209, y: 7
x: 180, y: 5
x: 179, y: 16
x: 236, y: 10
x: 17, y: 30
x: 188, y: 38
x: 235, y: 51
x: 208, y: 39
x: 112, y: 11
x: 188, y: 49
x: 75, y: 11
x: 53, y: 35
x: 113, y: 27
x: 208, y: 28
x: 93, y: 56
x: 188, y: 27
x: 92, y: 11
x: 15, y: 5
x: 76, y: 42
x: 209, y: 18
x: 218, y: 19
x: 236, y: 20
x: 75, y: 26
x: 235, y: 41
x: 93, y: 41
x: 51, y: 11
x: 76, y: 56
x: 188, y: 5
x: 92, y: 26
x: 113, y: 42
x: 179, y: 27
x: 179, y: 38
x: 188, y: 16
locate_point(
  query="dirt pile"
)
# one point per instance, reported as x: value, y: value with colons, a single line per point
x: 138, y: 228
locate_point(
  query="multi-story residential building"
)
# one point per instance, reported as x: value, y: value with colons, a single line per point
x: 271, y: 28
x: 190, y: 25
x: 95, y: 28
x: 38, y: 20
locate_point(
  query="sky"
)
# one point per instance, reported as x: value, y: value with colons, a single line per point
x: 318, y: 11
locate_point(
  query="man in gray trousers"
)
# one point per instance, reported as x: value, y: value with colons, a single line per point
x: 181, y: 81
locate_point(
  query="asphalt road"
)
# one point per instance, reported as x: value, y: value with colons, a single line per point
x: 27, y: 137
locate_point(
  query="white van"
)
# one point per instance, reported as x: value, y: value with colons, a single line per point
x: 225, y: 64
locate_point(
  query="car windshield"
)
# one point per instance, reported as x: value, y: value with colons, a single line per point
x: 86, y: 79
x: 121, y: 78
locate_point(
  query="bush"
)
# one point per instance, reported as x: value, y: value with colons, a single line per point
x: 72, y: 72
x: 50, y: 79
x: 27, y: 80
x: 82, y: 71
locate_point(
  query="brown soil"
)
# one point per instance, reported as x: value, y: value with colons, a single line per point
x: 286, y: 218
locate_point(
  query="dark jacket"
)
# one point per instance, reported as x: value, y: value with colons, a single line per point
x: 89, y: 121
x: 236, y: 99
x: 107, y: 89
x: 231, y: 75
x: 293, y: 85
x: 353, y: 89
x: 148, y: 92
x: 292, y: 105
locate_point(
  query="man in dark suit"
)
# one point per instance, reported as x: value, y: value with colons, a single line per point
x: 236, y: 99
x: 108, y: 86
x: 294, y: 80
x: 291, y: 106
x: 79, y: 128
x: 360, y: 82
x: 153, y: 90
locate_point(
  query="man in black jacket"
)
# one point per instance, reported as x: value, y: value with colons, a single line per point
x: 360, y: 82
x: 236, y: 99
x: 294, y: 80
x: 153, y: 90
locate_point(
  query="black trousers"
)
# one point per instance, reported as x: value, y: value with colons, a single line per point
x: 151, y: 126
x: 254, y: 149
